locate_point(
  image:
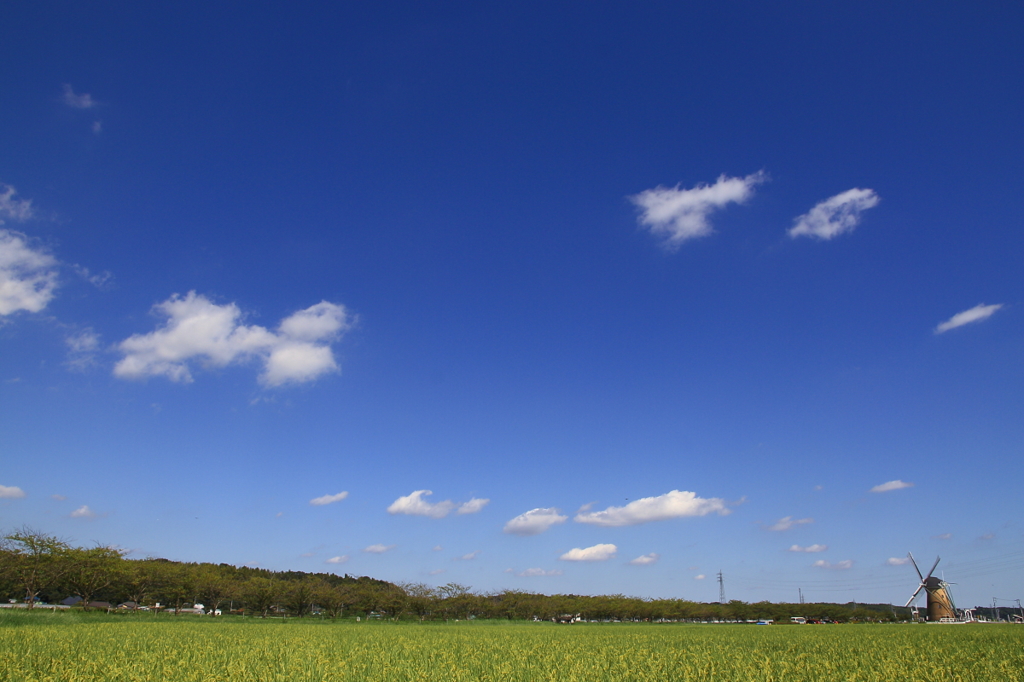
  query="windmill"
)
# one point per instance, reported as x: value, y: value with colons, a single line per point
x: 940, y: 602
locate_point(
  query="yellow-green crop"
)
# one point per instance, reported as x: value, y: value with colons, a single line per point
x: 60, y: 648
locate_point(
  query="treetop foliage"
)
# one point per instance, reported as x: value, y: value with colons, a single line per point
x: 37, y: 568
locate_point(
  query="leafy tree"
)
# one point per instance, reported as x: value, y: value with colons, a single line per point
x: 213, y: 587
x: 33, y: 561
x: 174, y: 584
x: 90, y: 571
x: 137, y: 581
x: 334, y: 599
x: 298, y: 597
x: 420, y: 598
x: 260, y: 594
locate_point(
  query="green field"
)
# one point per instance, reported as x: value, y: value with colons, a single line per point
x: 57, y: 647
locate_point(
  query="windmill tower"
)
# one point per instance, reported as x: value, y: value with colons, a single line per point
x: 940, y: 602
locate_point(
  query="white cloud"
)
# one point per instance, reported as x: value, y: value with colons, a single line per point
x: 329, y: 499
x: 414, y: 505
x: 891, y: 485
x: 835, y: 215
x: 535, y: 521
x: 378, y: 549
x: 976, y: 314
x: 101, y: 281
x: 82, y: 348
x: 677, y: 215
x: 595, y: 553
x: 897, y: 561
x: 437, y: 571
x: 11, y: 492
x: 196, y: 329
x: 988, y: 536
x: 83, y: 512
x: 537, y: 572
x: 645, y: 559
x: 473, y: 506
x: 97, y: 127
x: 944, y: 536
x: 809, y: 548
x: 18, y: 210
x: 28, y: 276
x: 86, y: 341
x: 438, y: 548
x: 59, y: 498
x: 671, y: 505
x: 470, y: 556
x: 337, y: 559
x: 699, y: 577
x: 846, y: 563
x: 787, y: 522
x: 83, y: 101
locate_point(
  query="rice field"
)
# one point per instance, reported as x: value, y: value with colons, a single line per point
x: 64, y: 647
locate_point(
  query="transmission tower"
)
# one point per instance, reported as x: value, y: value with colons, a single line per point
x: 721, y: 588
x: 801, y: 594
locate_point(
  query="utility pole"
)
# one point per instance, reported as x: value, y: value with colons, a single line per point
x: 721, y: 588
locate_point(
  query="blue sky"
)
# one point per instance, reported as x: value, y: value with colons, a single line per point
x: 638, y: 294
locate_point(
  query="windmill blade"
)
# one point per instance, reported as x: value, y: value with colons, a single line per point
x: 914, y: 596
x: 915, y: 566
x: 933, y: 567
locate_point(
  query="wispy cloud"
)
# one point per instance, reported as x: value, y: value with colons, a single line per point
x: 329, y: 499
x: 787, y: 522
x: 839, y: 565
x: 809, y: 548
x: 468, y: 557
x: 835, y: 215
x: 198, y: 330
x: 671, y: 505
x: 83, y: 512
x: 595, y: 553
x: 378, y: 549
x: 891, y: 485
x: 699, y: 577
x: 677, y: 215
x: 59, y: 498
x: 28, y: 275
x: 538, y: 573
x: 18, y: 210
x: 976, y: 314
x: 436, y: 571
x: 339, y: 559
x: 11, y: 492
x: 645, y: 559
x: 944, y: 536
x: 82, y: 101
x: 473, y: 506
x: 82, y: 349
x: 534, y: 521
x: 413, y: 504
x: 897, y: 561
x: 101, y: 280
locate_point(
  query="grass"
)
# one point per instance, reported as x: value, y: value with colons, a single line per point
x: 79, y: 647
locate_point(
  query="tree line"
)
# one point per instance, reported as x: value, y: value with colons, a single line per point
x: 37, y: 568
